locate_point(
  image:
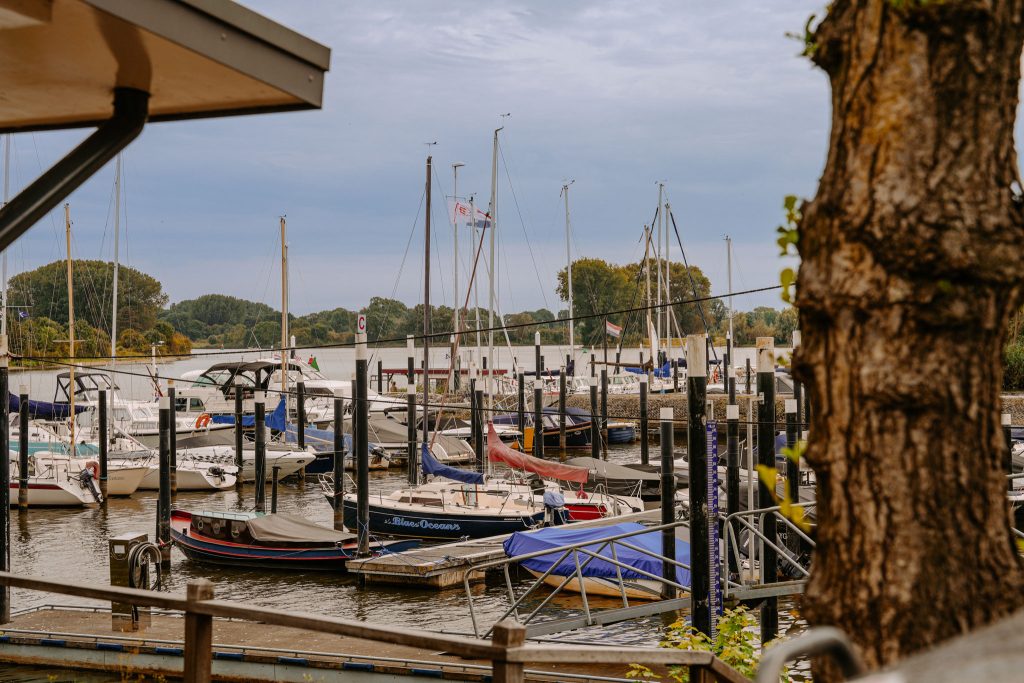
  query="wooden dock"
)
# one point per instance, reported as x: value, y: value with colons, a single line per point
x: 445, y: 566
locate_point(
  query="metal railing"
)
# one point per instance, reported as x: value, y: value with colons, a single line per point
x: 748, y: 524
x: 506, y: 650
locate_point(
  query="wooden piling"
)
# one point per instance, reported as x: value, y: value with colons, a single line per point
x: 766, y: 457
x: 163, y: 521
x: 697, y: 461
x: 645, y: 446
x: 792, y: 470
x: 561, y: 409
x: 595, y: 424
x: 604, y: 409
x: 538, y: 417
x: 23, y: 451
x: 300, y: 413
x: 521, y: 406
x: 668, y: 503
x: 275, y: 472
x: 239, y: 444
x: 339, y: 461
x: 507, y: 634
x: 380, y: 376
x: 172, y: 439
x: 259, y: 405
x: 198, y: 654
x: 479, y: 441
x: 104, y: 442
x: 362, y: 451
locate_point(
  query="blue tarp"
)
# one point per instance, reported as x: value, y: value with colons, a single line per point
x: 274, y: 420
x: 431, y: 465
x: 523, y: 543
x: 42, y: 410
x: 664, y: 372
x: 247, y: 420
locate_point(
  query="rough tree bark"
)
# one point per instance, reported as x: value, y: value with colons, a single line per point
x: 912, y: 263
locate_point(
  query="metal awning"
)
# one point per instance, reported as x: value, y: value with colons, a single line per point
x: 117, y: 64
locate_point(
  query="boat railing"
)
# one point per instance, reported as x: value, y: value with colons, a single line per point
x: 507, y: 650
x: 744, y: 536
x: 581, y: 556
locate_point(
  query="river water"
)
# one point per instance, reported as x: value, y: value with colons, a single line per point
x: 71, y: 545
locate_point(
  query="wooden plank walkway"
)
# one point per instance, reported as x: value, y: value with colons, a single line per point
x: 444, y: 566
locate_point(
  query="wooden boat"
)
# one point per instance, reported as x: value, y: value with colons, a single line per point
x: 274, y: 541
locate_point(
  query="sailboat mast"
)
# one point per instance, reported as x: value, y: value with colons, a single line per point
x: 474, y: 283
x: 117, y: 256
x: 657, y: 258
x: 426, y: 315
x: 284, y: 314
x: 728, y: 269
x: 647, y: 272
x: 7, y: 190
x: 668, y: 284
x: 492, y: 266
x: 455, y: 273
x: 568, y: 270
x: 71, y: 327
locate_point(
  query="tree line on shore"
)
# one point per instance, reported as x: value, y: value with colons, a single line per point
x: 38, y: 314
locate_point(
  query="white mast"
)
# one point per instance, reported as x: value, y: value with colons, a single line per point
x: 455, y: 269
x: 117, y: 260
x: 668, y: 287
x: 284, y: 317
x: 657, y: 259
x: 728, y: 266
x: 71, y: 329
x: 475, y: 282
x: 492, y: 267
x: 7, y: 190
x: 568, y: 269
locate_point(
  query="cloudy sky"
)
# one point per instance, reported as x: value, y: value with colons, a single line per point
x: 708, y: 97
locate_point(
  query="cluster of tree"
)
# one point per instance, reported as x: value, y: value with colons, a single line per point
x: 37, y: 315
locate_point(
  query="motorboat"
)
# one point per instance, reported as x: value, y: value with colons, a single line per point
x: 392, y: 434
x: 288, y: 461
x: 577, y: 427
x: 267, y: 541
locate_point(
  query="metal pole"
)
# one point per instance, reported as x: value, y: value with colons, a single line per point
x: 675, y: 376
x: 259, y: 405
x: 604, y: 410
x: 275, y: 470
x: 1004, y: 420
x: 732, y: 463
x: 561, y: 409
x: 697, y: 461
x: 798, y: 392
x: 362, y: 451
x: 23, y: 451
x: 380, y: 376
x: 792, y: 468
x: 593, y: 370
x: 5, y: 472
x: 538, y: 364
x: 239, y: 455
x: 339, y: 461
x: 103, y: 444
x: 479, y: 442
x: 538, y: 417
x: 668, y: 504
x: 595, y: 424
x: 521, y: 415
x: 172, y: 439
x: 300, y: 413
x: 163, y: 520
x: 766, y: 458
x: 747, y: 379
x: 645, y: 446
x: 410, y: 434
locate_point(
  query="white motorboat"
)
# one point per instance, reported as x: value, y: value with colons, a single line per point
x: 289, y: 461
x: 192, y: 475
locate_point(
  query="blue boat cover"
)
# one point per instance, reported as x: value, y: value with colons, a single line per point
x: 322, y: 440
x: 276, y: 420
x: 247, y: 420
x: 431, y: 465
x: 664, y: 372
x: 42, y: 410
x: 524, y: 543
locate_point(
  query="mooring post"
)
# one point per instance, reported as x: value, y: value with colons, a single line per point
x: 538, y: 417
x: 23, y: 450
x: 746, y: 389
x: 259, y: 409
x: 593, y: 365
x: 275, y: 471
x: 410, y: 352
x: 697, y: 461
x: 726, y: 361
x: 163, y: 506
x: 668, y: 504
x: 792, y: 469
x: 507, y: 634
x: 300, y: 414
x: 604, y: 411
x: 1004, y: 420
x: 561, y: 409
x: 766, y: 458
x: 362, y: 451
x: 538, y: 361
x: 103, y: 436
x: 732, y: 465
x: 410, y: 434
x: 239, y: 455
x: 5, y: 472
x: 339, y: 461
x: 478, y: 426
x: 675, y: 376
x: 645, y: 446
x: 595, y: 428
x: 380, y: 376
x: 198, y: 653
x: 172, y: 439
x: 521, y: 416
x: 798, y: 390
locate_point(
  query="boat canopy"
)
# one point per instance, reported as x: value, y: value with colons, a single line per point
x: 664, y: 372
x: 499, y: 452
x: 609, y: 470
x: 525, y: 543
x: 431, y: 465
x: 282, y: 527
x: 43, y: 410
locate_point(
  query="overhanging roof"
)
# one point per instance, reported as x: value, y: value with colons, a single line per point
x: 60, y: 61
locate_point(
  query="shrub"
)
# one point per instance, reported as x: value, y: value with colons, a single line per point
x: 1013, y: 365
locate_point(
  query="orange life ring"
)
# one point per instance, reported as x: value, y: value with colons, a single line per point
x: 203, y: 420
x: 94, y: 469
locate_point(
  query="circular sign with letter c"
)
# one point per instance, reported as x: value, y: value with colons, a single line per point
x: 361, y: 324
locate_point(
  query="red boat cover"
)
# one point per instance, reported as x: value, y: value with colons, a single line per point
x: 499, y: 452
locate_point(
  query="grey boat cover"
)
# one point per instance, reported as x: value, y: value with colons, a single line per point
x: 282, y: 527
x: 609, y: 470
x: 388, y: 430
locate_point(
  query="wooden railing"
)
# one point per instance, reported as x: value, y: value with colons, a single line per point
x: 507, y: 649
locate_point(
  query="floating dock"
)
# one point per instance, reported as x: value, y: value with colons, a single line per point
x: 445, y: 566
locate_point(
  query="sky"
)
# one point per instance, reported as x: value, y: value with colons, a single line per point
x: 710, y: 99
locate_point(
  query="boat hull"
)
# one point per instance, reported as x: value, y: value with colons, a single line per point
x: 635, y: 589
x: 44, y: 494
x: 439, y: 525
x: 188, y: 480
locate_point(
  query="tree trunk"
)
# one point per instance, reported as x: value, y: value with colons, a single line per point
x: 912, y: 256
